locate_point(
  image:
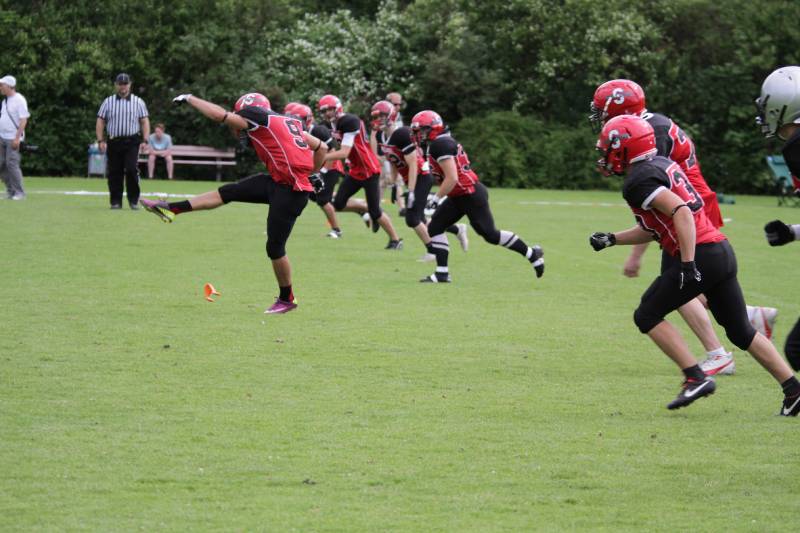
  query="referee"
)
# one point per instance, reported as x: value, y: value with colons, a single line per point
x: 124, y: 116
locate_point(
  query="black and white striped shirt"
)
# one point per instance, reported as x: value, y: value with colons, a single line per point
x: 122, y: 115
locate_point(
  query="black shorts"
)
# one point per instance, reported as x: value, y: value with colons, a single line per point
x: 372, y: 191
x: 285, y: 205
x: 717, y: 265
x: 331, y: 179
x: 475, y: 206
x: 416, y: 214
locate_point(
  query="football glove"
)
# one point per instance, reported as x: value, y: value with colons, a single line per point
x: 181, y: 99
x: 689, y: 274
x: 601, y: 240
x: 433, y: 202
x: 410, y: 200
x: 317, y: 182
x: 778, y: 233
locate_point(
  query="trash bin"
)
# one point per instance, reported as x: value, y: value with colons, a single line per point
x: 97, y: 161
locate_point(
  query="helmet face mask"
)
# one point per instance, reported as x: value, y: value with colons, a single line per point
x: 779, y: 102
x: 623, y: 141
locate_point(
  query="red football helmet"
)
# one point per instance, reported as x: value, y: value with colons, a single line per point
x: 291, y: 108
x: 426, y: 126
x: 252, y: 100
x: 305, y: 114
x: 383, y: 113
x: 330, y: 101
x: 624, y: 140
x: 615, y: 98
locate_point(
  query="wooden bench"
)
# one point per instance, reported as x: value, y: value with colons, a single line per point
x: 188, y: 154
x: 782, y: 179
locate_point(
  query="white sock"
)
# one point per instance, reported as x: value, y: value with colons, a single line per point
x: 718, y: 351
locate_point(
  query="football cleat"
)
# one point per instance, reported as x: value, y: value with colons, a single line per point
x: 333, y: 234
x: 538, y: 261
x: 791, y: 405
x: 158, y: 208
x: 434, y: 278
x: 692, y: 390
x: 279, y: 307
x: 763, y: 319
x: 395, y: 245
x: 719, y: 364
x: 463, y: 240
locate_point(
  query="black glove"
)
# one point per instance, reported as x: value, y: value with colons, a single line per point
x: 602, y: 240
x: 317, y: 182
x: 689, y: 274
x: 393, y: 196
x: 778, y: 233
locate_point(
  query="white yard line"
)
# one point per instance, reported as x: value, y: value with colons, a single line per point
x: 105, y: 193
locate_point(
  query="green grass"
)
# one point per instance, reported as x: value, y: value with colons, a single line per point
x: 498, y: 403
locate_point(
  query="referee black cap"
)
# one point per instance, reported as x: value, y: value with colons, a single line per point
x: 122, y: 79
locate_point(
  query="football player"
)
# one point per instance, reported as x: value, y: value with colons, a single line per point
x: 699, y: 260
x: 626, y: 97
x: 365, y: 168
x: 779, y: 115
x: 330, y: 173
x: 460, y: 193
x: 290, y: 155
x: 405, y: 159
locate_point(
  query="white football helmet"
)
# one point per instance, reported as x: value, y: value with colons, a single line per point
x: 779, y: 102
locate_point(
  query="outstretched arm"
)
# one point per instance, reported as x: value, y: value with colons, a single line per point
x: 213, y: 111
x: 320, y: 149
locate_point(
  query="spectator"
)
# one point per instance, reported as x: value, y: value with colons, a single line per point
x: 160, y: 146
x: 397, y: 101
x: 124, y: 116
x: 13, y: 119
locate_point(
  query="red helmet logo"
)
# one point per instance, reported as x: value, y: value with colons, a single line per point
x: 252, y: 100
x: 426, y: 126
x: 624, y: 140
x: 383, y: 113
x: 615, y: 98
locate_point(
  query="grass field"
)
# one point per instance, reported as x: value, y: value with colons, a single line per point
x: 498, y: 403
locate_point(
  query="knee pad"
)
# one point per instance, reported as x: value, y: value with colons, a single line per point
x: 275, y: 250
x: 739, y: 335
x: 227, y: 192
x: 492, y: 237
x: 645, y: 320
x: 412, y: 219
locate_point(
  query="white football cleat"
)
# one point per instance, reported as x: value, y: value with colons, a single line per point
x: 427, y: 258
x: 463, y: 240
x: 763, y: 319
x: 719, y: 364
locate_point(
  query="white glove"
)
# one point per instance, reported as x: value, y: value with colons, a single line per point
x: 410, y: 201
x: 433, y: 202
x: 181, y: 98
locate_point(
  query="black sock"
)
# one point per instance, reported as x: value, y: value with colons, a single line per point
x: 180, y: 207
x: 337, y: 230
x: 791, y: 387
x: 695, y: 373
x: 286, y: 294
x: 452, y: 229
x: 513, y: 242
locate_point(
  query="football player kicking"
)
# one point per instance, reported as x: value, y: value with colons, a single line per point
x: 779, y: 115
x: 330, y: 173
x: 405, y: 159
x: 365, y: 168
x: 290, y: 155
x: 460, y: 193
x: 626, y: 97
x: 700, y: 260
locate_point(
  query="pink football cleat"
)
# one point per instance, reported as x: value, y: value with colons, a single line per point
x: 279, y: 307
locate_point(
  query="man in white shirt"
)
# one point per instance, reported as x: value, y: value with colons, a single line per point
x: 13, y: 119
